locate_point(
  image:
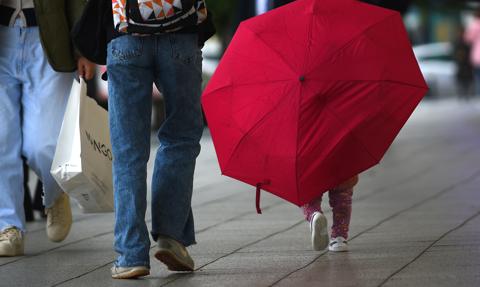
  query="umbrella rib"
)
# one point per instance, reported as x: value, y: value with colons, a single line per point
x: 307, y: 53
x: 400, y: 83
x: 255, y: 126
x: 349, y: 43
x: 330, y: 111
x: 270, y: 48
x: 253, y: 61
x: 247, y: 84
x: 308, y: 45
x: 373, y: 81
x: 296, y: 144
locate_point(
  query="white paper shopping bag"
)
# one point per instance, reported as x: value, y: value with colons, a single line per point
x: 82, y: 164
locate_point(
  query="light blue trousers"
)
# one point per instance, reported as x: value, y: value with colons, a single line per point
x: 32, y: 103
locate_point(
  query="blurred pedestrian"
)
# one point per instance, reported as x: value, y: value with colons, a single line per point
x: 32, y: 204
x: 249, y: 8
x: 171, y: 57
x: 461, y: 55
x: 36, y: 65
x: 27, y: 200
x: 472, y: 37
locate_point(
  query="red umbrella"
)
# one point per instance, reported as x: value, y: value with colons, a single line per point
x: 310, y: 94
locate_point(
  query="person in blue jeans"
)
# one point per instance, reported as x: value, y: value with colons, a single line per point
x: 173, y: 62
x: 37, y: 62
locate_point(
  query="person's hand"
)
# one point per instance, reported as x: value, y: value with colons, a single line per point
x: 85, y: 68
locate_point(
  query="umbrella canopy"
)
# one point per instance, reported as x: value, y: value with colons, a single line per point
x: 310, y: 94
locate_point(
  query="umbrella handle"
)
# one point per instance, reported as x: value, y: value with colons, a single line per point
x: 257, y: 199
x: 257, y: 196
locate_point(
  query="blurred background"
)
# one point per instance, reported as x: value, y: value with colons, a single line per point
x: 436, y: 29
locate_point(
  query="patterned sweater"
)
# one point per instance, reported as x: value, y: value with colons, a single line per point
x: 157, y: 16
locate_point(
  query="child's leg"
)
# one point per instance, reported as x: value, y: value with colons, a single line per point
x: 310, y: 208
x: 318, y: 224
x: 341, y: 202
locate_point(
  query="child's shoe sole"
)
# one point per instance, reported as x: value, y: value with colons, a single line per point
x: 319, y: 231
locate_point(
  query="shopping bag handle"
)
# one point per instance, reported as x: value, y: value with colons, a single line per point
x: 79, y: 79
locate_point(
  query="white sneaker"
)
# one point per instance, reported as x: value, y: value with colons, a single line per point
x: 11, y: 242
x: 318, y: 228
x: 59, y: 218
x: 338, y: 244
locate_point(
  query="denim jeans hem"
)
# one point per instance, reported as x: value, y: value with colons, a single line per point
x: 135, y: 264
x: 185, y: 243
x: 6, y: 226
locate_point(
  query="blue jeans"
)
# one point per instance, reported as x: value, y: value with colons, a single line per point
x: 33, y: 98
x: 174, y: 63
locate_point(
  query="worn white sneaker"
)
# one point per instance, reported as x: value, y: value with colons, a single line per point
x: 129, y: 272
x: 319, y: 231
x: 338, y: 244
x: 11, y: 242
x: 59, y: 218
x: 173, y: 254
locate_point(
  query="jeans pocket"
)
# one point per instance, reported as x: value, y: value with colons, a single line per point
x: 125, y: 48
x: 184, y: 47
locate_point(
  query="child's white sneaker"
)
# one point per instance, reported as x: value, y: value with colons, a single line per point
x: 338, y: 244
x: 319, y: 231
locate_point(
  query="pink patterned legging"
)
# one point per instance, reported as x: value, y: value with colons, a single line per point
x: 341, y: 203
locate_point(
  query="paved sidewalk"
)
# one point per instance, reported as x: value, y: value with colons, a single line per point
x: 416, y: 222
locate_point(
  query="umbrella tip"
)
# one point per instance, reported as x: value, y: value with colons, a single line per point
x: 301, y: 78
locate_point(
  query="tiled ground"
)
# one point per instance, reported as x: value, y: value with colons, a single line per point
x: 416, y: 222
